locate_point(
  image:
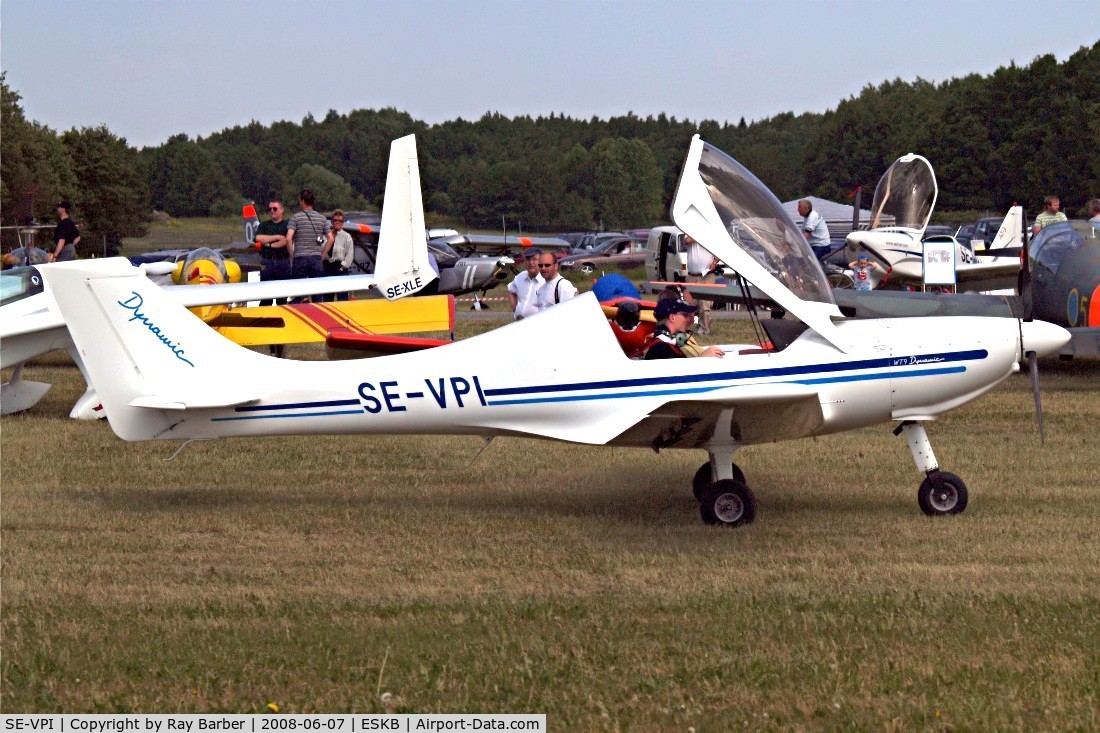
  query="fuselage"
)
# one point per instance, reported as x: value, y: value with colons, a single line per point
x: 516, y: 381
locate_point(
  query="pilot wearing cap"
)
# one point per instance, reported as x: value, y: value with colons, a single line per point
x: 675, y: 318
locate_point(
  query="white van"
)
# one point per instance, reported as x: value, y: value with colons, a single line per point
x: 666, y: 258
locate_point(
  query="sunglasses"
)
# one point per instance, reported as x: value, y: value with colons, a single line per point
x: 550, y: 265
x: 337, y: 220
x: 272, y: 208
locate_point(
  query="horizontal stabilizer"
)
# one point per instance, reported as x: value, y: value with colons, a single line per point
x: 195, y: 400
x: 19, y: 394
x: 375, y: 344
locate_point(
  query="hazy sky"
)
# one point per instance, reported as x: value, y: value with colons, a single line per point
x: 149, y: 70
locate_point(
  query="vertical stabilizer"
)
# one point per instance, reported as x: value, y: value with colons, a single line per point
x: 1010, y: 235
x: 138, y: 344
x: 403, y: 267
x: 251, y: 222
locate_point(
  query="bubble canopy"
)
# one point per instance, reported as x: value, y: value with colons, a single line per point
x: 725, y: 208
x: 758, y: 225
x: 907, y: 192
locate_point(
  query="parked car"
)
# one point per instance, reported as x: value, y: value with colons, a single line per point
x: 984, y: 232
x: 938, y: 230
x: 623, y: 252
x: 594, y: 239
x: 965, y: 234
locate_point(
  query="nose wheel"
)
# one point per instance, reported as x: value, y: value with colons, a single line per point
x: 941, y: 493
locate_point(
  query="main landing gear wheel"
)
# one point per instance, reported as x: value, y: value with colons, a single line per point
x: 728, y: 502
x: 588, y: 268
x: 949, y: 497
x: 704, y: 477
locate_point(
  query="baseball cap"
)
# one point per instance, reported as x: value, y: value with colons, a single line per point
x: 667, y: 307
x: 862, y: 256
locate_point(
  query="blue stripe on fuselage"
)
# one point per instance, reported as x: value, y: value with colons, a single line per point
x: 696, y: 390
x: 843, y: 366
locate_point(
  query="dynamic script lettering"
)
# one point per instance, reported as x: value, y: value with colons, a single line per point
x: 910, y: 360
x: 134, y: 303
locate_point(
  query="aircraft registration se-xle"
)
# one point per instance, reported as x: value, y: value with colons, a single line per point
x: 32, y: 325
x: 835, y: 375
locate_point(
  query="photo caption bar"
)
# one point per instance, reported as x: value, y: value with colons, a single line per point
x: 261, y: 723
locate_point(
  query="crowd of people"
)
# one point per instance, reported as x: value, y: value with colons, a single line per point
x: 306, y: 245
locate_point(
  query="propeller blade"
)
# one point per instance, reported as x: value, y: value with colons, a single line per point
x: 1033, y: 370
x: 1023, y: 282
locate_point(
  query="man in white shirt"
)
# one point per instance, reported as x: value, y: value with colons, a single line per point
x: 556, y: 289
x: 814, y: 227
x: 701, y: 268
x: 523, y: 290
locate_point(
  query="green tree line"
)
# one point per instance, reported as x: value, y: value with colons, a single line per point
x: 1012, y: 136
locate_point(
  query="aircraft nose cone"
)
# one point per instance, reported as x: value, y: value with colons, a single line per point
x: 1041, y: 337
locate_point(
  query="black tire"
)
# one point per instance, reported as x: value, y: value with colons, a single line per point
x: 951, y: 499
x: 729, y: 503
x: 703, y: 479
x: 587, y: 268
x: 841, y: 281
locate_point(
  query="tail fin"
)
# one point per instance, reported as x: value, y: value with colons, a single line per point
x: 1010, y: 235
x: 403, y: 266
x: 251, y: 222
x: 147, y: 356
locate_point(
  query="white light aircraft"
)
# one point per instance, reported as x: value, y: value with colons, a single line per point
x: 32, y: 325
x: 907, y: 192
x: 148, y: 357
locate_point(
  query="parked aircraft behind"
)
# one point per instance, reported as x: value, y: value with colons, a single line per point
x: 32, y: 325
x: 1064, y: 284
x: 828, y: 375
x: 908, y: 191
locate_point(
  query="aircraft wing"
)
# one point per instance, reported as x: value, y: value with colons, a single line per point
x: 758, y: 414
x: 313, y: 322
x: 191, y: 296
x: 876, y: 303
x: 991, y: 274
x: 752, y: 414
x: 499, y: 244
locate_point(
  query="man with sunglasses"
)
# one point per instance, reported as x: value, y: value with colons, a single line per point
x: 338, y: 258
x: 274, y: 256
x: 556, y: 289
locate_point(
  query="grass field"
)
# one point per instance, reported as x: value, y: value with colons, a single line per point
x: 319, y: 573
